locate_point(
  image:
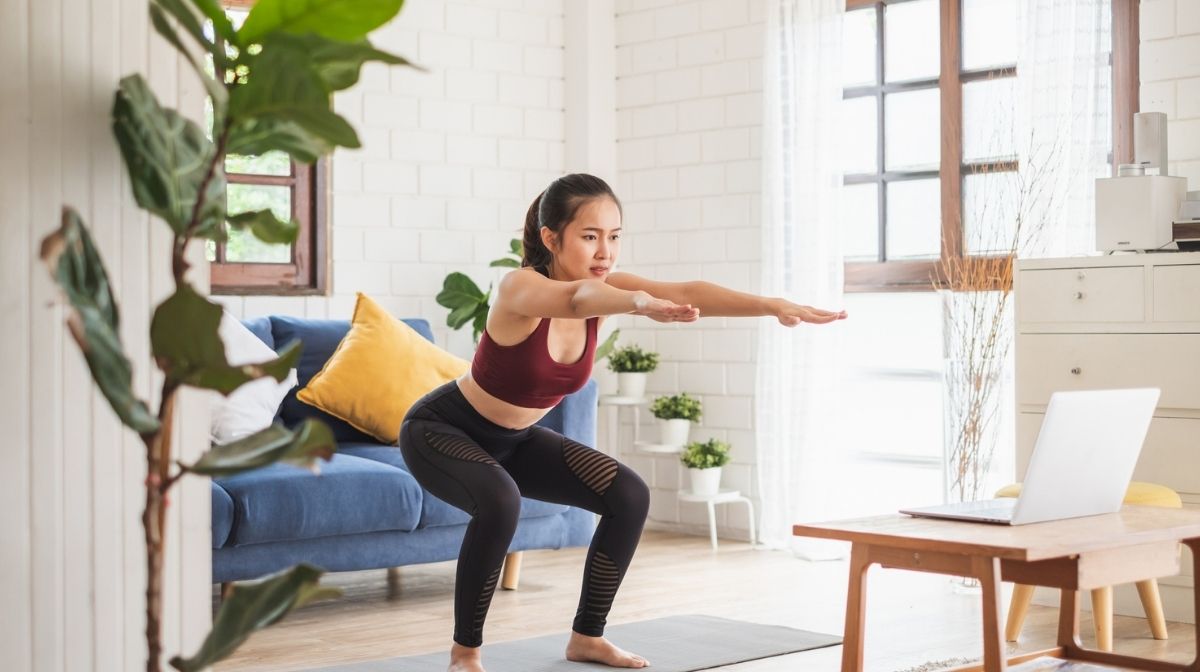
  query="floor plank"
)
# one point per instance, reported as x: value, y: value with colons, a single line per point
x: 912, y: 618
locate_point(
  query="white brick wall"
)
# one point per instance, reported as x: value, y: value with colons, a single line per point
x: 688, y: 133
x: 450, y: 159
x: 1170, y: 78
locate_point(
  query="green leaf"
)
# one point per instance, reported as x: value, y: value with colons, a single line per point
x: 186, y: 346
x: 94, y: 320
x: 459, y: 290
x: 505, y: 263
x: 266, y: 227
x: 606, y: 347
x: 283, y: 85
x: 311, y: 440
x: 253, y: 606
x: 480, y: 322
x: 461, y: 315
x: 253, y: 137
x: 346, y: 20
x: 167, y: 157
x: 215, y: 90
x: 516, y: 247
x: 338, y: 63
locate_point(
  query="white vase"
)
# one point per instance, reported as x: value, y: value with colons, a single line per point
x: 705, y: 481
x: 674, y: 432
x: 631, y: 385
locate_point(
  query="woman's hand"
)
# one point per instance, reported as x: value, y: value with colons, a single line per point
x: 791, y: 314
x: 662, y: 310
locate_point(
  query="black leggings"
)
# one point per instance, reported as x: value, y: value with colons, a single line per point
x: 484, y: 469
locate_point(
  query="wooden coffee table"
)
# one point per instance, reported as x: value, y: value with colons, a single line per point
x: 1137, y: 543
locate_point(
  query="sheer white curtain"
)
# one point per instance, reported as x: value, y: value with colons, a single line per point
x: 802, y: 261
x: 1064, y: 118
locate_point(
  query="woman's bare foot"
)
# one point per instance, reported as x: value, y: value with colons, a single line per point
x: 584, y: 649
x: 465, y: 658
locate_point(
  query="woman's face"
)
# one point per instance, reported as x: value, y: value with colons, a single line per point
x: 586, y: 248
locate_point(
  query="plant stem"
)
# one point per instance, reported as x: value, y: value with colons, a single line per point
x: 158, y: 449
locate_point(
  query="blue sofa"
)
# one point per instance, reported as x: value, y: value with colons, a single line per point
x: 364, y: 511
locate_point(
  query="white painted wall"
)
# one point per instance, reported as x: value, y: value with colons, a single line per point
x: 689, y: 117
x: 1170, y: 78
x: 72, y: 564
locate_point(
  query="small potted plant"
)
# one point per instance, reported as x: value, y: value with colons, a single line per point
x: 704, y: 462
x: 675, y: 414
x: 631, y: 364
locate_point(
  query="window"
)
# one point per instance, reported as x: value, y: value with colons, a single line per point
x: 246, y: 265
x: 921, y: 83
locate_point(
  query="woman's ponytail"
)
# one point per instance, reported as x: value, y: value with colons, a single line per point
x: 534, y: 252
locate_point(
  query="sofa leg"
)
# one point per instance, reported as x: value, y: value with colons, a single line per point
x: 512, y: 571
x: 226, y: 589
x: 393, y: 580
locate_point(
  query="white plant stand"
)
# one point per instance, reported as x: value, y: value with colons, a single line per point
x: 619, y: 402
x: 723, y: 497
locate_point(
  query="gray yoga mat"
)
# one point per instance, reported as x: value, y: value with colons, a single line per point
x: 671, y: 644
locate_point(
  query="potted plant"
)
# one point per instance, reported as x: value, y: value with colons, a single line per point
x: 704, y: 462
x: 675, y: 414
x: 631, y: 364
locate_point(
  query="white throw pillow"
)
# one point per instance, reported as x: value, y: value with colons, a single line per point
x: 252, y: 406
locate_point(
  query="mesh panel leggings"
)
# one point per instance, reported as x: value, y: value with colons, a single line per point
x: 484, y: 469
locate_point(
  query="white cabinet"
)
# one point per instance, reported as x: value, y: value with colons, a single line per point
x: 1117, y: 321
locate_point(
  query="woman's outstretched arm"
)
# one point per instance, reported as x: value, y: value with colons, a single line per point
x: 716, y: 301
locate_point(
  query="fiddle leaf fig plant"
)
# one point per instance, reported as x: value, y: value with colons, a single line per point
x: 270, y: 83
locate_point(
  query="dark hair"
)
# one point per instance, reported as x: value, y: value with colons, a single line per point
x: 553, y: 209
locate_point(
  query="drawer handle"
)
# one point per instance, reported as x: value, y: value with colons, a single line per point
x: 1076, y: 370
x: 1079, y: 295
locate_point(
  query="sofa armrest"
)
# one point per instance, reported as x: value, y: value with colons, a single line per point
x: 575, y: 415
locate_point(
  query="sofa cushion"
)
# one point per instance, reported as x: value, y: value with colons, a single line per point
x: 378, y: 371
x: 320, y: 339
x: 261, y: 327
x: 351, y: 495
x: 222, y: 515
x: 435, y: 511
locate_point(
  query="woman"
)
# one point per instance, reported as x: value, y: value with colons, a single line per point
x: 473, y: 443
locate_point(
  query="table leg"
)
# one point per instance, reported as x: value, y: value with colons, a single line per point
x: 856, y: 609
x: 1194, y: 545
x: 1068, y: 622
x: 987, y: 570
x: 712, y: 524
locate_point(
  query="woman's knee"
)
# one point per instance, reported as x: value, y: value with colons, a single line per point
x: 629, y: 495
x: 499, y: 505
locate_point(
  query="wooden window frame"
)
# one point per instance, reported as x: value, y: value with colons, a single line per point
x: 920, y: 275
x: 308, y: 271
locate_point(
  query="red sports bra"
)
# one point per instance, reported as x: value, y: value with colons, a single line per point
x: 524, y: 374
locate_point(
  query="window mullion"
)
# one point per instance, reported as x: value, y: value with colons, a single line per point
x: 951, y: 121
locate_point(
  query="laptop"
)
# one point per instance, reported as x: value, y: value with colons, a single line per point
x: 1081, y: 464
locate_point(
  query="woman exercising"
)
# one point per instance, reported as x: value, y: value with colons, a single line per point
x: 473, y: 443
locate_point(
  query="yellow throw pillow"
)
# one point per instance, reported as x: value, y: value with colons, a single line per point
x: 378, y: 371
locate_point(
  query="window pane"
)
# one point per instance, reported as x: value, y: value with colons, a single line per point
x: 990, y: 204
x: 242, y: 246
x: 912, y: 129
x: 911, y: 37
x: 989, y: 118
x: 989, y: 33
x: 274, y: 162
x: 914, y: 221
x: 858, y: 48
x: 860, y: 222
x: 210, y: 250
x: 860, y: 135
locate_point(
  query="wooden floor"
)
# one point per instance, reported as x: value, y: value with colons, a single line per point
x: 912, y: 618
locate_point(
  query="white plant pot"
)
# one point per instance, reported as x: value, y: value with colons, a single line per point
x: 705, y: 481
x: 631, y: 385
x: 674, y: 432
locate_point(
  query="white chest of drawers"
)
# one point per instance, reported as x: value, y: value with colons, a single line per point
x: 1117, y: 321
